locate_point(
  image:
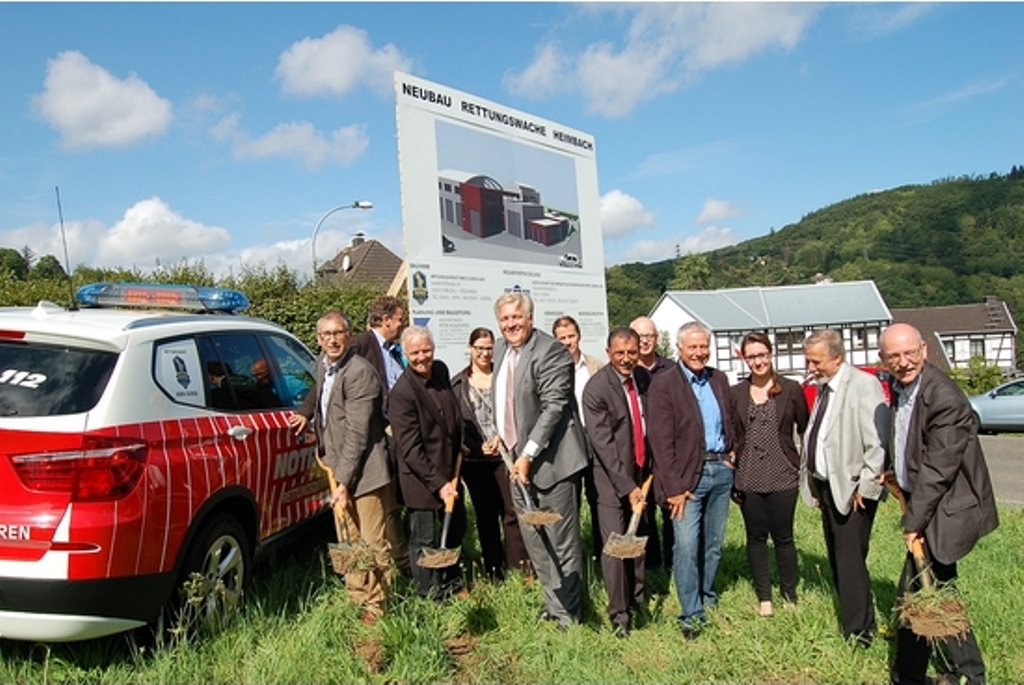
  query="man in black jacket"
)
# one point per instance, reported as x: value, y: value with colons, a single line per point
x: 940, y: 467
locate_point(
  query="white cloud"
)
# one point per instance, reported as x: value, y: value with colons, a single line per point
x: 882, y: 20
x: 666, y: 47
x: 710, y: 238
x: 927, y: 110
x: 622, y: 213
x: 338, y: 63
x: 89, y: 107
x: 300, y: 141
x: 139, y: 240
x: 715, y: 211
x: 150, y: 231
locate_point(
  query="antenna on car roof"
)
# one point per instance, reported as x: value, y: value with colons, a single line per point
x: 67, y: 261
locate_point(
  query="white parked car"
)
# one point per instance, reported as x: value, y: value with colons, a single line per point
x: 140, y: 449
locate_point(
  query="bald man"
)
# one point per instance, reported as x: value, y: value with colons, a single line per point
x: 940, y: 467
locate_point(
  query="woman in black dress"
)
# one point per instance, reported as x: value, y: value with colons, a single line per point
x: 483, y: 470
x: 768, y: 410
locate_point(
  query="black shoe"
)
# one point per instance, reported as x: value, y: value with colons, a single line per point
x: 621, y: 632
x: 546, y: 615
x: 862, y: 639
x: 690, y: 631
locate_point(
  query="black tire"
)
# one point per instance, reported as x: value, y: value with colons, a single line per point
x: 214, y: 577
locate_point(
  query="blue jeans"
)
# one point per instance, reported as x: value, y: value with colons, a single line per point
x: 698, y: 546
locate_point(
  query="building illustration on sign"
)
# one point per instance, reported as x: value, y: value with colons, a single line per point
x: 481, y: 206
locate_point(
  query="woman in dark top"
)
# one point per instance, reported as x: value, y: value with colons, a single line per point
x: 767, y: 410
x: 483, y: 470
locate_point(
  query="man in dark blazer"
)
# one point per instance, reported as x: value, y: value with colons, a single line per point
x: 620, y: 464
x: 536, y: 416
x: 691, y: 433
x: 378, y: 344
x: 658, y: 554
x: 939, y: 465
x: 427, y: 429
x: 346, y: 408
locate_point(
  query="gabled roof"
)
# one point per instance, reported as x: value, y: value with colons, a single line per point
x: 369, y: 263
x: 787, y: 306
x: 990, y: 316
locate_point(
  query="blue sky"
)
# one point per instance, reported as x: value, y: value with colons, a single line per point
x: 223, y: 132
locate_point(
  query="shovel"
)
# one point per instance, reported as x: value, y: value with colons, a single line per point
x: 344, y: 555
x: 532, y: 515
x: 629, y: 545
x: 444, y: 557
x: 935, y: 611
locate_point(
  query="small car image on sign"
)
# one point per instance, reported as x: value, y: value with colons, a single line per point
x: 570, y: 259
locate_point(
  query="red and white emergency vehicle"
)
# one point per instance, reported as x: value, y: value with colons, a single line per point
x: 139, y: 448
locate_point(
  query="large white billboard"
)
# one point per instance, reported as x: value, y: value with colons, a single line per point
x: 493, y: 200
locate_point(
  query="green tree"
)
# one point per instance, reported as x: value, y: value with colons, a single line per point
x: 46, y: 267
x: 692, y: 272
x: 978, y: 377
x: 13, y: 261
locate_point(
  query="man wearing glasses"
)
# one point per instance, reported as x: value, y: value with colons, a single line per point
x: 938, y: 463
x: 346, y: 408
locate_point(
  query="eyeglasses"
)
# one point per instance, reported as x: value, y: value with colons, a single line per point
x: 648, y: 336
x: 912, y: 356
x: 479, y: 349
x: 762, y: 357
x: 327, y: 335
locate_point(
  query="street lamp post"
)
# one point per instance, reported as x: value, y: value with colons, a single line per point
x: 358, y: 204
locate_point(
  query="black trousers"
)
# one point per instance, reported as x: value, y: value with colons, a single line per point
x: 961, y: 653
x: 847, y: 537
x: 623, y: 578
x: 424, y: 532
x: 764, y: 514
x: 490, y: 489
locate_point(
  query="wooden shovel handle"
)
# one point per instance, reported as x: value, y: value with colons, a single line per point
x: 644, y: 489
x: 449, y: 502
x: 917, y: 546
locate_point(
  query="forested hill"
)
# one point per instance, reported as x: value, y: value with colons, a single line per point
x: 953, y: 241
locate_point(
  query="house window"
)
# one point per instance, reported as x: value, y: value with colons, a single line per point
x: 950, y: 349
x: 977, y: 348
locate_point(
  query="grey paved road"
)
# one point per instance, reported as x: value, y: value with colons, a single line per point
x: 1005, y: 457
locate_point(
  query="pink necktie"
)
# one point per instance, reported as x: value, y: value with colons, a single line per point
x: 638, y: 426
x: 510, y: 404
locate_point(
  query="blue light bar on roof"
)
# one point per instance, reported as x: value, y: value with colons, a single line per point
x: 194, y: 298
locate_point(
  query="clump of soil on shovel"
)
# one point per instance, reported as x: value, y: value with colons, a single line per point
x: 346, y: 558
x: 934, y: 613
x: 625, y: 550
x: 540, y: 518
x: 438, y: 558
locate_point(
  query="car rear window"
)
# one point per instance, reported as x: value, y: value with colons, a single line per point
x: 48, y: 380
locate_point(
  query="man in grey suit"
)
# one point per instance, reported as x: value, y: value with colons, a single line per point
x: 536, y: 416
x: 844, y: 452
x: 346, y: 407
x: 939, y: 466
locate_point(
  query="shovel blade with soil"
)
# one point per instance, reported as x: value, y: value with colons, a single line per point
x: 629, y: 545
x: 935, y: 611
x: 345, y: 555
x: 532, y: 515
x: 443, y: 557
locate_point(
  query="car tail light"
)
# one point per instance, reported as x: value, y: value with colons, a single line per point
x: 104, y: 469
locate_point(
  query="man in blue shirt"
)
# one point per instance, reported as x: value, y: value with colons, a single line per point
x: 690, y: 432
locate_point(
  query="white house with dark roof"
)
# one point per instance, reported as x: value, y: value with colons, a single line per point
x: 787, y: 314
x: 956, y: 333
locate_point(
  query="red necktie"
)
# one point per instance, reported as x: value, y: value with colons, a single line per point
x: 638, y: 426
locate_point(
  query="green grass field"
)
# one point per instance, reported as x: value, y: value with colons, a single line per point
x: 297, y: 626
